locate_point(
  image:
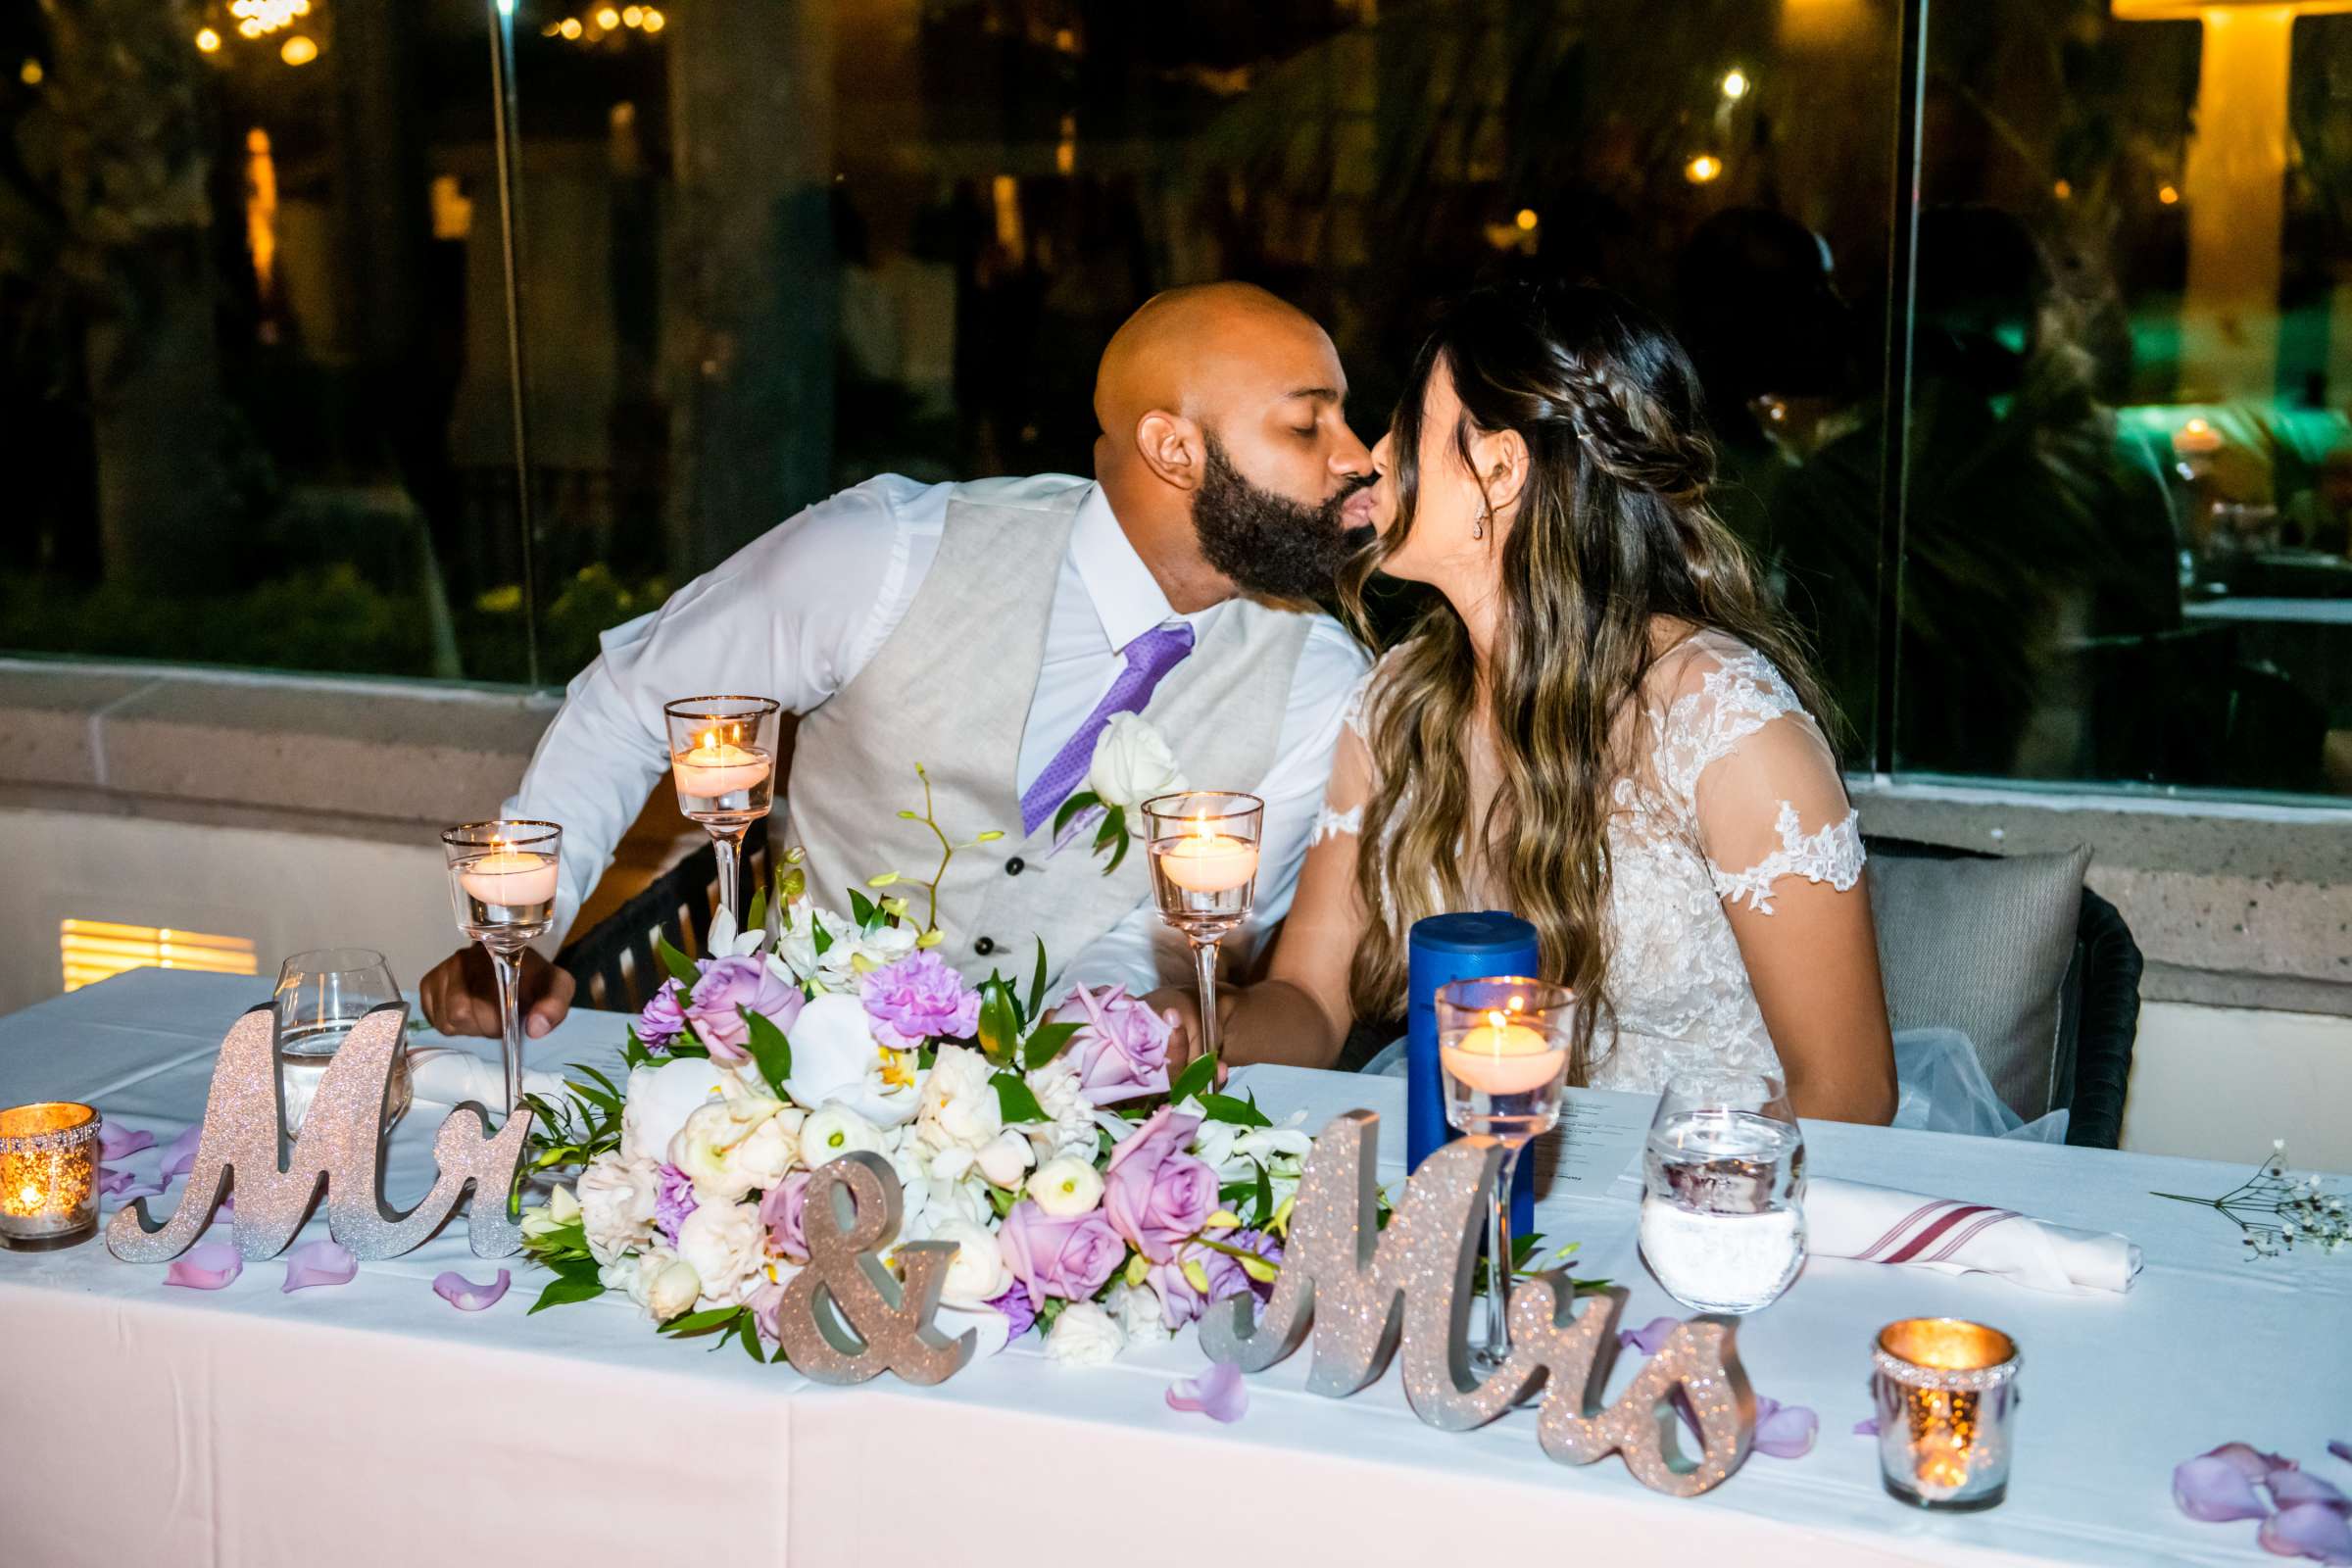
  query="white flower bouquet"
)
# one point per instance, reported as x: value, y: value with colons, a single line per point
x: 1088, y: 1197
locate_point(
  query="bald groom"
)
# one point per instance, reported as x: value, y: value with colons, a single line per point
x: 989, y: 629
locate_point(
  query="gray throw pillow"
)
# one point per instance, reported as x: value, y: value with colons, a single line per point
x: 1982, y: 947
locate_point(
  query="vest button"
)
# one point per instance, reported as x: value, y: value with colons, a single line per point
x: 1015, y: 866
x: 985, y: 946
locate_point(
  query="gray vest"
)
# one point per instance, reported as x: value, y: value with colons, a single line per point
x: 951, y: 689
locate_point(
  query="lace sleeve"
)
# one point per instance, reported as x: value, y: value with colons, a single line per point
x: 1353, y: 778
x: 1742, y: 757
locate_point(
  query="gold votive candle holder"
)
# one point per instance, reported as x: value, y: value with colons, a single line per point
x: 1947, y: 1392
x: 48, y: 1175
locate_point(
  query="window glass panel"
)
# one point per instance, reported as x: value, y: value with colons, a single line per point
x: 2131, y: 464
x: 252, y: 340
x: 774, y: 250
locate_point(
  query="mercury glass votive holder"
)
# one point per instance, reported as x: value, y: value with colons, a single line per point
x: 48, y: 1175
x: 1946, y: 1394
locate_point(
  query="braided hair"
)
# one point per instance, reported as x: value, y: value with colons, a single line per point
x: 1614, y: 535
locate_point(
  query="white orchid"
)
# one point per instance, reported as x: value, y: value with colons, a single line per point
x: 835, y: 1060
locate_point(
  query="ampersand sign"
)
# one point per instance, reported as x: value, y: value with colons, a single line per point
x: 846, y: 1317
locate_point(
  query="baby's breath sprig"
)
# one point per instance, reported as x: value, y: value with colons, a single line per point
x: 2286, y: 1214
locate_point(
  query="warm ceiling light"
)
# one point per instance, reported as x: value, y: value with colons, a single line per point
x: 206, y: 39
x: 571, y: 27
x: 1735, y: 85
x: 630, y: 16
x: 1526, y: 218
x: 2062, y: 189
x: 2166, y: 195
x: 1705, y: 167
x: 654, y: 19
x: 298, y: 51
x: 608, y: 19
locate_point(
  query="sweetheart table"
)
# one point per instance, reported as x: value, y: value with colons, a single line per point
x: 372, y: 1422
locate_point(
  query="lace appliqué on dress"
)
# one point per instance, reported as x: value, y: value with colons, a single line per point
x: 1833, y: 856
x: 1331, y: 825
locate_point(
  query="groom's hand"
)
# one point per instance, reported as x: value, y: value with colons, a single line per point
x: 460, y: 993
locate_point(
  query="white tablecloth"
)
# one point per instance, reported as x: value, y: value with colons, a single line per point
x: 373, y: 1423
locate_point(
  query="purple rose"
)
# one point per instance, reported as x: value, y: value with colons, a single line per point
x: 1120, y: 1049
x: 1153, y: 1194
x: 1180, y: 1303
x: 1019, y: 1316
x: 919, y: 997
x: 782, y: 1211
x: 767, y: 1307
x: 727, y: 987
x: 1066, y: 1257
x: 673, y: 1202
x: 663, y: 1020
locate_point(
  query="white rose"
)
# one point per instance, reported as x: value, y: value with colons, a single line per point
x: 670, y: 1287
x: 834, y: 1058
x: 616, y: 1204
x: 960, y: 1106
x: 717, y: 1151
x: 725, y: 1243
x: 1132, y: 763
x: 979, y: 1273
x: 1004, y: 1159
x: 661, y: 1099
x: 1067, y: 1188
x: 1137, y: 1313
x: 834, y: 1130
x: 560, y: 1210
x: 1085, y: 1336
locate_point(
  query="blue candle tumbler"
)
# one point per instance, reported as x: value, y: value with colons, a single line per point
x: 1441, y: 950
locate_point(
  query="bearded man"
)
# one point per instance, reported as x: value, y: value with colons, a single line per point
x: 990, y: 631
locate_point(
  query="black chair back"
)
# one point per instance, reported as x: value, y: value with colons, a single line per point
x: 614, y: 961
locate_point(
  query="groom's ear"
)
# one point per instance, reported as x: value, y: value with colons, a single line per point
x: 1172, y: 448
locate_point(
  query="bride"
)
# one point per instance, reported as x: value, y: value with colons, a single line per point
x: 1603, y: 727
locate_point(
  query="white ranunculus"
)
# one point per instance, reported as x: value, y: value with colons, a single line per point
x: 834, y: 1130
x: 705, y: 1147
x: 1132, y: 763
x: 670, y: 1289
x: 725, y: 1243
x: 979, y: 1273
x: 560, y: 1210
x: 1137, y: 1311
x: 960, y: 1106
x: 616, y: 1204
x: 1006, y: 1158
x: 1067, y: 1187
x: 1070, y: 1117
x: 835, y: 1057
x: 773, y: 1149
x: 1085, y: 1336
x: 661, y: 1099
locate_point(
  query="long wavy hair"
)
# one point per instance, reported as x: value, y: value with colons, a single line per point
x: 1612, y: 534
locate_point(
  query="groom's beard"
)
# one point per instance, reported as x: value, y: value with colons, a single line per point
x: 1267, y: 543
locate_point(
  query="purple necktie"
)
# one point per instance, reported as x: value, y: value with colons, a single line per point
x: 1148, y: 659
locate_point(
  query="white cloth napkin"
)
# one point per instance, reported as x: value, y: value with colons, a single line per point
x: 445, y: 1075
x: 1886, y: 1225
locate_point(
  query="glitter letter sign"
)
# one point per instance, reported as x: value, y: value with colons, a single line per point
x: 341, y: 1144
x: 1365, y: 1293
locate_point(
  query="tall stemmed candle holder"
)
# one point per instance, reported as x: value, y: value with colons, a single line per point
x: 1203, y: 853
x: 722, y: 757
x: 502, y: 887
x: 1504, y: 1041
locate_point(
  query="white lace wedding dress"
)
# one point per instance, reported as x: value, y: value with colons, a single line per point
x: 1733, y: 790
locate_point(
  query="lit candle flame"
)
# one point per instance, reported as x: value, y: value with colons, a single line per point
x: 1495, y: 1021
x: 1201, y: 826
x: 709, y: 741
x: 31, y: 1196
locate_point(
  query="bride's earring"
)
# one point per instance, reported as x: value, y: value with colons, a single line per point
x: 1478, y: 528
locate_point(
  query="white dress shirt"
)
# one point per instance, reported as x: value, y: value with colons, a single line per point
x: 799, y: 611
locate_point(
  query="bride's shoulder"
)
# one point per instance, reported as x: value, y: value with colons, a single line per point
x: 1708, y: 673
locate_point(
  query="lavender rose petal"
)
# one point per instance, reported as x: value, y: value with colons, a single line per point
x: 2341, y: 1450
x: 320, y: 1262
x: 2290, y: 1487
x: 465, y: 1295
x: 1218, y: 1394
x: 205, y: 1266
x: 1650, y: 1336
x: 2212, y: 1489
x: 119, y: 1143
x: 1867, y: 1427
x: 179, y: 1155
x: 1787, y: 1431
x: 2307, y: 1530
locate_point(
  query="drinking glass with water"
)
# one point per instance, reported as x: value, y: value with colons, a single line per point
x: 320, y: 996
x: 1723, y: 1224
